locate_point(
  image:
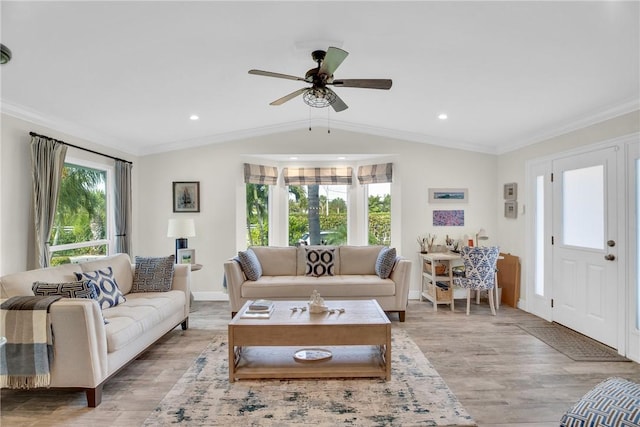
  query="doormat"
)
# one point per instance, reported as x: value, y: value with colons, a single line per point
x: 415, y: 395
x: 572, y: 344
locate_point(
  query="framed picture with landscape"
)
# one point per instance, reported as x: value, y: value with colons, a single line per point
x: 448, y: 195
x: 186, y: 256
x: 186, y: 196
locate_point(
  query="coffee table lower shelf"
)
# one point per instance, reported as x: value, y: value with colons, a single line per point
x: 357, y: 361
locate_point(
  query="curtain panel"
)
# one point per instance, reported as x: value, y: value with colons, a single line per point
x: 260, y: 174
x: 47, y: 163
x: 122, y: 208
x: 373, y: 174
x: 342, y: 175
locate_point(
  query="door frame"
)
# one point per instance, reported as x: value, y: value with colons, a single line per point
x: 541, y: 306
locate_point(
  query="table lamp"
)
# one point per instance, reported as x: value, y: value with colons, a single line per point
x: 481, y: 235
x: 181, y: 229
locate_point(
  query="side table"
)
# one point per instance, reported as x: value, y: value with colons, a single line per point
x: 194, y: 267
x: 430, y: 289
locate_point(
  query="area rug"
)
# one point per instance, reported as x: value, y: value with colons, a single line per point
x: 415, y: 396
x: 572, y: 344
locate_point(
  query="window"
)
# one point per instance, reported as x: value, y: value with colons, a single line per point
x: 257, y: 214
x: 317, y: 214
x: 379, y: 213
x: 82, y: 221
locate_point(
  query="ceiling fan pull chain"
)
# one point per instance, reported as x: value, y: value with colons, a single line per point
x: 328, y: 121
x: 309, y: 119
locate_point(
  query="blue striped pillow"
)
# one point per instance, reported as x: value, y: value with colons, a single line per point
x: 385, y: 262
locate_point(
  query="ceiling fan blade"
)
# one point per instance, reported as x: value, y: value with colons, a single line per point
x: 338, y: 104
x: 278, y: 75
x: 364, y: 83
x: 332, y: 60
x: 289, y: 97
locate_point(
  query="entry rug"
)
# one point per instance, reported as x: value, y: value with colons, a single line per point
x: 415, y: 396
x: 572, y: 344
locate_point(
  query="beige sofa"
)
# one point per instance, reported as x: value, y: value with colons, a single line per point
x: 87, y: 352
x: 283, y: 278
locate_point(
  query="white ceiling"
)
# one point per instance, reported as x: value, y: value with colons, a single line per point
x: 129, y: 74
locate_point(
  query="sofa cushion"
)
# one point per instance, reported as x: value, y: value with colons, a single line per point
x: 319, y: 262
x: 358, y: 259
x: 75, y: 289
x: 109, y: 295
x: 385, y: 262
x: 122, y: 269
x: 153, y: 274
x: 250, y: 264
x: 142, y: 311
x: 21, y: 283
x: 334, y: 287
x: 276, y: 260
x: 613, y: 402
x: 301, y: 258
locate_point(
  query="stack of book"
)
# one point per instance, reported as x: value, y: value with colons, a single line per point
x: 259, y: 309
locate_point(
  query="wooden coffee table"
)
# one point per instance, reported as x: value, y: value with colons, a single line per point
x: 359, y: 340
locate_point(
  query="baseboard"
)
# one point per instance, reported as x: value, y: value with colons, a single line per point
x: 210, y: 296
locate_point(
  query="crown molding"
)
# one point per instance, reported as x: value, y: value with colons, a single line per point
x: 568, y: 126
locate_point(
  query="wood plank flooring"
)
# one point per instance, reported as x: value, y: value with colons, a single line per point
x: 502, y: 375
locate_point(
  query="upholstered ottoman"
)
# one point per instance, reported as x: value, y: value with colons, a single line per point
x: 615, y: 402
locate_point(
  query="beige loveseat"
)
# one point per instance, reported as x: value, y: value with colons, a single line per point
x: 283, y: 278
x: 87, y: 352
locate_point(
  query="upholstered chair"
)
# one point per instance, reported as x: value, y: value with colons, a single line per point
x: 479, y: 272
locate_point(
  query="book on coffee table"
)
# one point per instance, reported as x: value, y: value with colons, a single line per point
x: 257, y: 314
x: 260, y: 306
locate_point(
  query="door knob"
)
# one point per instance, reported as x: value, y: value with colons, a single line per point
x: 609, y: 257
x: 611, y: 243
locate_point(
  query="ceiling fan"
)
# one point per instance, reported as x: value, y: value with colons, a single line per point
x: 319, y: 95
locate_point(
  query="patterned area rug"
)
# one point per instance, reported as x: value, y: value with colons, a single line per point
x: 416, y: 395
x: 573, y: 344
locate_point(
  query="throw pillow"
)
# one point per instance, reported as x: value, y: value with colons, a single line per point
x: 79, y: 289
x: 385, y: 262
x: 109, y: 295
x: 320, y: 262
x: 613, y: 402
x: 250, y: 264
x: 153, y: 274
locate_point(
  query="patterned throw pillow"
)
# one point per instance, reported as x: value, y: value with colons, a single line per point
x: 320, y: 262
x: 109, y: 295
x: 385, y: 262
x: 153, y: 274
x: 79, y: 289
x: 613, y: 402
x: 250, y: 264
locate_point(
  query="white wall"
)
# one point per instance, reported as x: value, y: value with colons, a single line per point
x: 219, y: 166
x: 511, y: 168
x: 16, y: 209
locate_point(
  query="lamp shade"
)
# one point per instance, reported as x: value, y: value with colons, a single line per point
x: 179, y: 227
x: 482, y: 234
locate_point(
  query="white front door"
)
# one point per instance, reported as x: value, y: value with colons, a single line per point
x: 585, y: 285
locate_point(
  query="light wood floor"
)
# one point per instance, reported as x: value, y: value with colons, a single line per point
x: 503, y: 376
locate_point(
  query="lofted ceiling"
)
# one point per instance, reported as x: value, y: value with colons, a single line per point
x: 130, y: 74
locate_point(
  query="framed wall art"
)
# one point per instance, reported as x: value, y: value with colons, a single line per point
x: 448, y: 195
x: 511, y: 191
x: 448, y: 218
x: 511, y: 209
x: 186, y: 196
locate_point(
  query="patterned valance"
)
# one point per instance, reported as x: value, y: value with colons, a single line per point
x: 260, y: 174
x: 313, y: 176
x: 372, y: 174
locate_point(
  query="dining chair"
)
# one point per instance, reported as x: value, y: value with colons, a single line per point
x: 479, y: 271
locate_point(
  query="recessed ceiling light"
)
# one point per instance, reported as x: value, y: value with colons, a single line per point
x: 194, y: 117
x: 342, y: 158
x: 442, y: 116
x: 293, y: 158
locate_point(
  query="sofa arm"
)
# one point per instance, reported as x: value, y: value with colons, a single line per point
x: 235, y: 278
x: 401, y: 276
x: 182, y: 282
x: 80, y: 344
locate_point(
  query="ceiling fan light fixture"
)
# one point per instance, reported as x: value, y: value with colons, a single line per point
x: 319, y: 97
x: 5, y: 54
